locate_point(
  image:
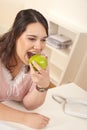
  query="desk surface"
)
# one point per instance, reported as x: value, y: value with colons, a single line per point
x: 58, y: 119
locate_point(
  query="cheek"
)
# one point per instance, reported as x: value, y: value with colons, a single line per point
x: 20, y: 48
x: 43, y: 46
x: 22, y: 45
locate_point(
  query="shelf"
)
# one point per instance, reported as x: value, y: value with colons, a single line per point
x: 61, y: 51
x: 56, y: 29
x: 55, y: 74
x: 58, y: 57
x: 58, y: 60
x: 65, y: 63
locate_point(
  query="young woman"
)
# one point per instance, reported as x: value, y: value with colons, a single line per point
x: 18, y: 79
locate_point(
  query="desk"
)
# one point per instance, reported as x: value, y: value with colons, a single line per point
x: 58, y: 119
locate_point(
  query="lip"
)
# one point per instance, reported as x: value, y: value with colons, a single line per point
x: 29, y: 54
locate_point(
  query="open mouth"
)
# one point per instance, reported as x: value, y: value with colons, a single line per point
x: 29, y: 54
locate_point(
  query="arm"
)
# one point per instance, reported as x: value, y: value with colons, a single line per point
x: 41, y: 78
x: 34, y: 99
x: 33, y: 120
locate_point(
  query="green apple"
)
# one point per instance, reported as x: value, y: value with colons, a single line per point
x: 40, y: 60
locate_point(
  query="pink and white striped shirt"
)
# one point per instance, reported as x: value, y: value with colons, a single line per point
x: 14, y: 89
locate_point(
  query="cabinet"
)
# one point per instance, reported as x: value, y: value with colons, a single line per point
x: 65, y: 63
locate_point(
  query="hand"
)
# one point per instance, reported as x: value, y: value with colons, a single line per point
x: 35, y: 120
x: 41, y: 76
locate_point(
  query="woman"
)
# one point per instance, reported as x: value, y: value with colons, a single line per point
x: 18, y: 79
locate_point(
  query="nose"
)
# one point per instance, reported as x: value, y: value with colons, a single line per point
x: 38, y: 45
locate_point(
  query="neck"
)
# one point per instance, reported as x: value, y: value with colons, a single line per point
x: 16, y: 69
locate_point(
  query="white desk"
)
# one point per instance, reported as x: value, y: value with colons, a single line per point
x: 58, y: 119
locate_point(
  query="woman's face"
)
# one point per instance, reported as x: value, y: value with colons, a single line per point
x: 32, y: 41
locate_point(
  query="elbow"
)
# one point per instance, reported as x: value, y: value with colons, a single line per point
x: 33, y: 106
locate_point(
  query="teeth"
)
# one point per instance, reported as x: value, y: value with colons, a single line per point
x: 30, y: 54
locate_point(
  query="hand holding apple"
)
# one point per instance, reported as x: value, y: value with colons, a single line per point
x: 40, y: 73
x: 40, y: 60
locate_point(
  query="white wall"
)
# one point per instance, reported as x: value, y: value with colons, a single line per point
x: 72, y: 11
x: 8, y: 10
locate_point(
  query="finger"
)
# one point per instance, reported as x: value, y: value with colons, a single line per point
x: 45, y: 122
x: 32, y: 68
x: 45, y: 117
x: 37, y: 66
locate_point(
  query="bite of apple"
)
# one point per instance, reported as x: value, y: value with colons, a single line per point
x: 40, y: 60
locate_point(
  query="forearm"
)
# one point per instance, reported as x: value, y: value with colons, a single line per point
x: 10, y: 114
x: 34, y: 99
x: 33, y: 120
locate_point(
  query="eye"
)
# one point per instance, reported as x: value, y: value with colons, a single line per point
x: 43, y: 40
x: 32, y: 39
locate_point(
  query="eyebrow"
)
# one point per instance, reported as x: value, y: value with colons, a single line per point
x: 36, y: 36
